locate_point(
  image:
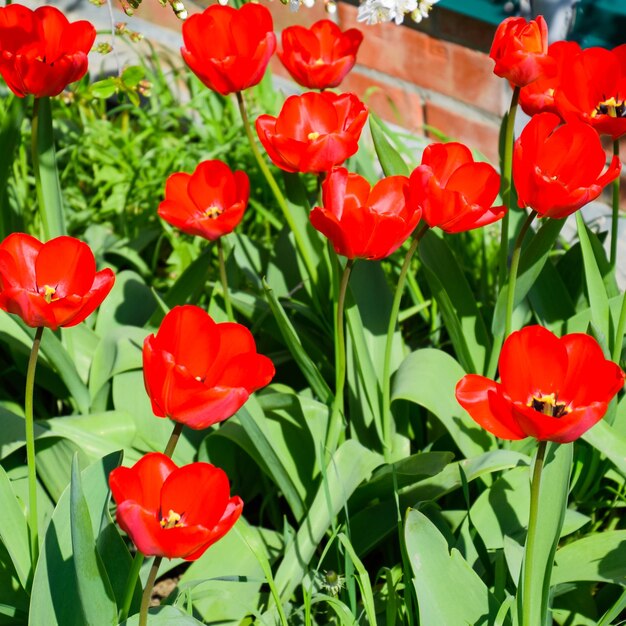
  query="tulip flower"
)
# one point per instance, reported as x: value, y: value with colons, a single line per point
x: 454, y: 192
x: 208, y: 203
x: 50, y: 284
x: 170, y: 511
x: 538, y: 96
x: 520, y: 50
x: 319, y: 57
x: 365, y: 221
x: 550, y: 388
x: 41, y: 53
x: 558, y: 169
x: 313, y: 132
x: 593, y: 90
x: 198, y: 372
x: 228, y: 49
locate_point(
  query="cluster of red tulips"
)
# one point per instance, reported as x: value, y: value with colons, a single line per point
x: 198, y: 372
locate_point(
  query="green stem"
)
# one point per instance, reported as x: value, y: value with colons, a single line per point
x: 615, y: 216
x: 510, y: 300
x: 280, y: 198
x: 147, y: 592
x: 507, y: 184
x: 133, y: 574
x: 621, y: 328
x: 45, y: 170
x: 393, y: 319
x: 336, y: 416
x: 224, y: 279
x: 30, y: 449
x: 531, y: 537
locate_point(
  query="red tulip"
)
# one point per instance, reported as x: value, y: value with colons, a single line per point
x: 538, y: 96
x: 208, y: 203
x: 319, y: 57
x: 171, y: 511
x: 520, y: 50
x: 558, y: 169
x: 362, y: 221
x: 228, y: 49
x: 41, y: 53
x: 453, y: 191
x: 198, y: 372
x: 593, y: 90
x: 50, y: 284
x: 313, y: 131
x: 551, y: 389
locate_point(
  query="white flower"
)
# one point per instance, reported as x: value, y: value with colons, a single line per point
x: 378, y: 11
x: 423, y: 9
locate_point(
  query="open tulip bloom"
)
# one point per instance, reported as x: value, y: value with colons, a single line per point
x: 557, y: 168
x: 365, y: 221
x: 313, y: 132
x: 50, y: 284
x: 228, y: 49
x: 550, y: 388
x: 41, y: 52
x: 208, y: 203
x: 319, y: 57
x: 198, y: 372
x: 170, y: 511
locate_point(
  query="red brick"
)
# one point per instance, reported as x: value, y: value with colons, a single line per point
x: 477, y: 134
x: 429, y: 63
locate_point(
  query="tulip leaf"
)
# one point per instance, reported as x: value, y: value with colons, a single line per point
x: 437, y: 571
x: 306, y: 365
x: 390, y: 160
x: 10, y: 128
x: 164, y: 616
x: 554, y: 489
x: 94, y: 588
x: 459, y: 309
x: 610, y: 442
x: 599, y: 557
x: 13, y: 530
x: 596, y: 290
x: 55, y: 594
x: 348, y: 467
x: 428, y: 377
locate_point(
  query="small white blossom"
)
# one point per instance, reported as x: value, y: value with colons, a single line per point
x: 379, y: 11
x: 423, y: 10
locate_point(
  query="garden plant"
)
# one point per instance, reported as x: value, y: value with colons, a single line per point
x: 260, y: 369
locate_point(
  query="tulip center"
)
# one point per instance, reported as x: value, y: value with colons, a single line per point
x: 48, y: 293
x: 312, y: 136
x: 213, y: 212
x: 548, y: 405
x: 611, y: 107
x: 173, y: 520
x: 318, y: 62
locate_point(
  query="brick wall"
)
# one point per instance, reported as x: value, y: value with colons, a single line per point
x: 435, y: 78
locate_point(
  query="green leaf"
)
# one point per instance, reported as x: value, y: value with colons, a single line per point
x: 306, y: 365
x: 599, y: 557
x: 349, y: 466
x: 164, y: 616
x: 55, y: 595
x: 13, y: 530
x: 428, y: 377
x: 94, y: 588
x: 9, y: 140
x: 437, y: 571
x: 132, y: 75
x: 390, y: 160
x: 604, y: 438
x: 105, y: 88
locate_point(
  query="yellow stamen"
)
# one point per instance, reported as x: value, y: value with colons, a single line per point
x: 313, y: 136
x: 172, y: 520
x: 48, y: 292
x: 611, y: 107
x: 318, y: 62
x: 548, y: 405
x: 213, y: 212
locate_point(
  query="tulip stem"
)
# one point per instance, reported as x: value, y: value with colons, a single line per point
x: 615, y: 216
x: 30, y: 449
x: 131, y: 583
x: 517, y: 249
x: 173, y: 440
x: 506, y: 187
x: 280, y: 198
x: 147, y: 592
x: 224, y: 279
x: 531, y: 536
x: 393, y: 319
x: 336, y: 416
